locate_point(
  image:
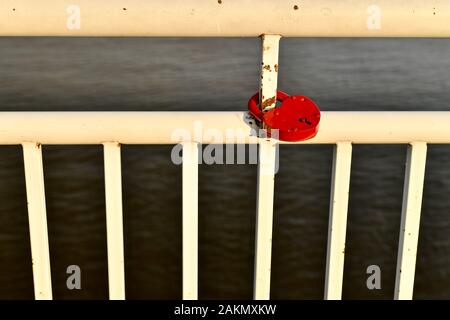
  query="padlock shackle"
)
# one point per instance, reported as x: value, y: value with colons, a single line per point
x: 253, y: 104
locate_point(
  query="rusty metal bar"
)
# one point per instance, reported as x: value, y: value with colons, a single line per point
x: 190, y: 220
x: 114, y: 220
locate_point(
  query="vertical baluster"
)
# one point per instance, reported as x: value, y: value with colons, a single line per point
x: 37, y: 219
x: 410, y: 221
x: 114, y: 220
x: 190, y: 220
x: 337, y: 224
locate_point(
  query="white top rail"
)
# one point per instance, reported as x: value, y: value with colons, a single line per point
x: 226, y: 18
x: 175, y: 127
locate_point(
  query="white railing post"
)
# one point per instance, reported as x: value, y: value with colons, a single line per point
x: 114, y: 220
x: 266, y: 172
x: 337, y: 224
x: 190, y: 220
x: 37, y: 219
x: 410, y: 221
x: 264, y: 220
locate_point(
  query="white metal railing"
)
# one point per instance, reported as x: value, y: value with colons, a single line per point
x: 37, y: 219
x: 156, y: 127
x: 225, y: 18
x: 346, y: 18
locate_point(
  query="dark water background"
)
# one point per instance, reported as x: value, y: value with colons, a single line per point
x: 220, y: 74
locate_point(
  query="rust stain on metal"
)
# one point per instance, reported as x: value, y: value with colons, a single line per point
x: 268, y: 102
x: 276, y: 67
x: 219, y: 1
x: 38, y: 145
x: 296, y: 7
x: 267, y: 67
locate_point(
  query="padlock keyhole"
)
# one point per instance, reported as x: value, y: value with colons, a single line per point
x: 304, y: 120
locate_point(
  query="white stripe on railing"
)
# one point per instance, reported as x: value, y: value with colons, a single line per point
x: 114, y: 220
x: 410, y: 223
x: 190, y: 220
x: 337, y: 224
x: 37, y: 219
x: 266, y: 172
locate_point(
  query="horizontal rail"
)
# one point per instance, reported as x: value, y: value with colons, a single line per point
x: 226, y: 18
x: 264, y: 220
x: 177, y: 127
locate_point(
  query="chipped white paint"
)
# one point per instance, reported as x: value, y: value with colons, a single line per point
x: 266, y: 174
x: 190, y: 220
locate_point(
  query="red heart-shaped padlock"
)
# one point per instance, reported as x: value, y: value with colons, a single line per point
x: 296, y: 119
